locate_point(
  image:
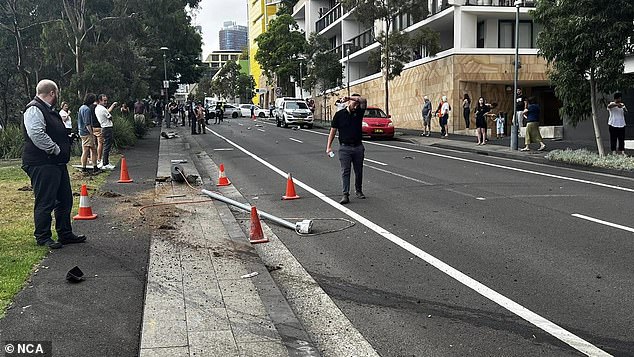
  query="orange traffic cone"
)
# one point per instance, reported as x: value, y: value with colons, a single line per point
x: 290, y: 189
x: 124, y: 177
x: 85, y: 212
x: 222, y: 179
x: 255, y: 234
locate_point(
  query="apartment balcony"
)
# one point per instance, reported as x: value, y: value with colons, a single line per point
x: 329, y: 17
x: 505, y: 3
x: 363, y: 40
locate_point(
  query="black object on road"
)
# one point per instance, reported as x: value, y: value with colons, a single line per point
x: 75, y: 275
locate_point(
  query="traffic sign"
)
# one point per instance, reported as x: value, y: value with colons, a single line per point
x: 261, y: 90
x: 278, y: 91
x: 166, y: 84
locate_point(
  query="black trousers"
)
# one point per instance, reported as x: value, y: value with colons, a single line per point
x: 351, y: 155
x: 51, y: 187
x: 617, y: 135
x: 107, y: 144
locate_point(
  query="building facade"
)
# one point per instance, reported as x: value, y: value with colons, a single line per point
x: 477, y: 47
x: 216, y: 59
x: 260, y: 12
x: 233, y: 37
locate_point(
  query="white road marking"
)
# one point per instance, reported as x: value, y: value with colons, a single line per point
x: 262, y: 130
x: 555, y: 330
x: 596, y: 220
x: 295, y: 140
x: 566, y: 178
x: 398, y: 175
x: 240, y: 124
x: 224, y: 149
x: 376, y: 162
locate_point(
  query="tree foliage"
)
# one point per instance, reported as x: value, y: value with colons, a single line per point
x: 279, y: 47
x: 396, y: 47
x: 109, y: 46
x: 323, y: 67
x: 585, y: 43
x: 229, y: 83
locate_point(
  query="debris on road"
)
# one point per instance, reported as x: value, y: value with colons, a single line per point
x: 250, y: 275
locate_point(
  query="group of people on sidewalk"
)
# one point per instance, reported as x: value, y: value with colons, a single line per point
x: 95, y: 127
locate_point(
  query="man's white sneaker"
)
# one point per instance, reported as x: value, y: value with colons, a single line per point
x: 109, y: 167
x: 99, y: 165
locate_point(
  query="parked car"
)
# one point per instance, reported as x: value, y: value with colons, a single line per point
x: 245, y: 110
x: 231, y: 111
x: 293, y: 111
x: 377, y: 124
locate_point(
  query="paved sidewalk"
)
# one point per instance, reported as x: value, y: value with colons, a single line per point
x: 198, y: 301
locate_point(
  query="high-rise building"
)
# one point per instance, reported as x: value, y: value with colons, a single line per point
x: 233, y: 37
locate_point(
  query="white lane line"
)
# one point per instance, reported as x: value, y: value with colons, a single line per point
x: 224, y: 149
x: 295, y: 140
x: 262, y: 130
x: 555, y: 330
x: 376, y: 162
x: 397, y: 175
x: 566, y: 178
x: 596, y: 220
x: 240, y: 124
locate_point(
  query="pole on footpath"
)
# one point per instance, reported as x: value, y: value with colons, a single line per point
x: 516, y: 120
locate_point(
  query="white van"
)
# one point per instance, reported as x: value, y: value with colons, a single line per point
x: 293, y: 111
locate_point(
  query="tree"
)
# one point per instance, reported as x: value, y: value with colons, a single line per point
x: 585, y: 42
x: 323, y: 67
x: 395, y: 46
x: 279, y: 47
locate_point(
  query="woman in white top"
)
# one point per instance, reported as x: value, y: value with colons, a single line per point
x: 65, y: 114
x: 616, y: 124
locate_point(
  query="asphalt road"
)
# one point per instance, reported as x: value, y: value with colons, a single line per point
x: 453, y: 253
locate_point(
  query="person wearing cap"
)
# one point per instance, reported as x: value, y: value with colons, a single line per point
x: 426, y: 116
x: 44, y: 157
x: 351, y: 151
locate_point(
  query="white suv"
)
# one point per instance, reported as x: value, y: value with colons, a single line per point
x: 293, y: 111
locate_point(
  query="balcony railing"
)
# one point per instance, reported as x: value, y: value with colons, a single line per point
x: 506, y: 3
x: 329, y: 17
x: 363, y: 40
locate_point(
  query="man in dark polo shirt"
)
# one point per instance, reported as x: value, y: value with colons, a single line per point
x: 348, y: 123
x: 44, y: 158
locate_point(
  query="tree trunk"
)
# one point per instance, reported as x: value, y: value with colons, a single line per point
x: 593, y: 100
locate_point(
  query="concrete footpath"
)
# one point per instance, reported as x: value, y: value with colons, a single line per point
x: 202, y: 296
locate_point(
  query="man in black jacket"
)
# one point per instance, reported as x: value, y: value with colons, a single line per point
x: 44, y: 158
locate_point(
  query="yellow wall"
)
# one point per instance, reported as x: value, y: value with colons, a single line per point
x: 257, y: 26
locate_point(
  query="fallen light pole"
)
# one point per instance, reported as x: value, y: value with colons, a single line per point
x: 303, y: 227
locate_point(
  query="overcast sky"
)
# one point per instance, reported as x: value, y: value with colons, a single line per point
x: 212, y: 13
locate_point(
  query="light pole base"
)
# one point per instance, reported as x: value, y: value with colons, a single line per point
x: 514, y: 136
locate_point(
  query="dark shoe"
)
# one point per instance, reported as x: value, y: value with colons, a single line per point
x: 360, y: 195
x: 345, y: 199
x: 72, y: 239
x: 51, y: 244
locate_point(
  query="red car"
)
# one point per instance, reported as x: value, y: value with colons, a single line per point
x: 376, y: 124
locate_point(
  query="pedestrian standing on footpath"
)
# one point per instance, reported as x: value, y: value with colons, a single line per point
x: 466, y: 110
x: 105, y: 120
x: 44, y: 157
x: 351, y: 150
x: 520, y: 106
x: 426, y: 116
x: 96, y: 131
x: 616, y: 124
x: 480, y: 110
x: 533, y: 135
x: 66, y: 119
x: 88, y: 140
x: 445, y: 108
x: 139, y: 111
x: 200, y: 118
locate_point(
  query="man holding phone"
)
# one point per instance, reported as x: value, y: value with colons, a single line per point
x: 105, y: 120
x: 351, y: 151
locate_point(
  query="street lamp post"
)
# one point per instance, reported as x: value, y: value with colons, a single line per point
x: 347, y: 44
x: 516, y: 120
x: 301, y: 75
x: 165, y: 84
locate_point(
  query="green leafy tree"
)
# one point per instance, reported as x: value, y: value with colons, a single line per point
x: 324, y: 70
x: 585, y: 42
x: 278, y: 49
x: 246, y: 86
x: 395, y: 46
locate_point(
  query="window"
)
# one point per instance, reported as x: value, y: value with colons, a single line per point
x: 506, y: 34
x: 224, y: 58
x: 480, y: 35
x: 215, y: 57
